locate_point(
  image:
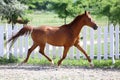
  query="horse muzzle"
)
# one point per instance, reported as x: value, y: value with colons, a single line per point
x: 95, y: 27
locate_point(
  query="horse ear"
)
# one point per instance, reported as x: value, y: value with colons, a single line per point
x: 88, y: 12
x: 85, y: 12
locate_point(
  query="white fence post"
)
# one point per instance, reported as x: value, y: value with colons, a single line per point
x: 117, y: 41
x: 99, y: 44
x: 47, y: 49
x: 92, y: 44
x: 21, y: 44
x: 1, y: 41
x: 33, y: 52
x: 112, y: 43
x: 106, y: 42
x: 77, y: 54
x: 26, y: 42
x: 15, y: 50
x: 71, y: 53
x: 84, y: 40
x: 8, y: 35
x: 54, y: 51
x: 60, y: 52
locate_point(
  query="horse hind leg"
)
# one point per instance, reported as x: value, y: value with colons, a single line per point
x: 29, y: 52
x: 42, y: 47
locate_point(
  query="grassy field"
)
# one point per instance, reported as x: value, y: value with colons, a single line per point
x: 46, y: 18
x: 67, y: 62
x: 50, y: 18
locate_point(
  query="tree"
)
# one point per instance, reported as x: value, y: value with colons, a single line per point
x: 108, y: 8
x: 64, y: 8
x: 36, y: 4
x: 11, y: 10
x: 115, y: 12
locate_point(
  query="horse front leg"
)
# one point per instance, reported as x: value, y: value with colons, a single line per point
x: 64, y: 55
x: 83, y: 51
x: 42, y: 47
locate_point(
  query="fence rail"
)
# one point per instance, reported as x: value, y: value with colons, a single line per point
x: 103, y: 43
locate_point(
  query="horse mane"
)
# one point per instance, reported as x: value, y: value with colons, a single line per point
x: 77, y: 18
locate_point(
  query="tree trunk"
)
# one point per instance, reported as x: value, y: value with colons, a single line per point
x: 65, y: 20
x: 12, y: 26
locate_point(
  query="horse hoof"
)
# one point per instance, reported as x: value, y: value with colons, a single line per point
x: 59, y: 66
x: 91, y: 64
x: 52, y: 62
x: 59, y: 63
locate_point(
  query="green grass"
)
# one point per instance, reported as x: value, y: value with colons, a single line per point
x: 5, y: 60
x: 67, y: 62
x: 50, y: 18
x: 45, y: 18
x: 75, y: 62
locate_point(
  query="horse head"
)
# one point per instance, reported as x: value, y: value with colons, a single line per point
x: 89, y: 21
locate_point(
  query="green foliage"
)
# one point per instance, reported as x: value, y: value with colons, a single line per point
x: 115, y: 12
x: 5, y: 60
x: 110, y: 9
x: 36, y: 4
x: 64, y: 8
x: 11, y: 10
x: 117, y: 64
x: 103, y: 63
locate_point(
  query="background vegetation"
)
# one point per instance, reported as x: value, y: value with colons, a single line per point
x: 63, y: 8
x: 58, y: 12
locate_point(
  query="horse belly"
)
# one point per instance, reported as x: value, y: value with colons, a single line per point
x: 56, y: 41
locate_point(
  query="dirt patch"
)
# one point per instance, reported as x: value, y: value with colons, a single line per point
x: 29, y: 72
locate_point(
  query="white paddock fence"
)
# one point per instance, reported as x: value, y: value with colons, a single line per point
x: 101, y: 44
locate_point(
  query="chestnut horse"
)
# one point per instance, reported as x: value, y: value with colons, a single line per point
x: 66, y: 35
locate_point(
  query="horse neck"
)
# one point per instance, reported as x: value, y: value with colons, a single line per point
x: 76, y: 27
